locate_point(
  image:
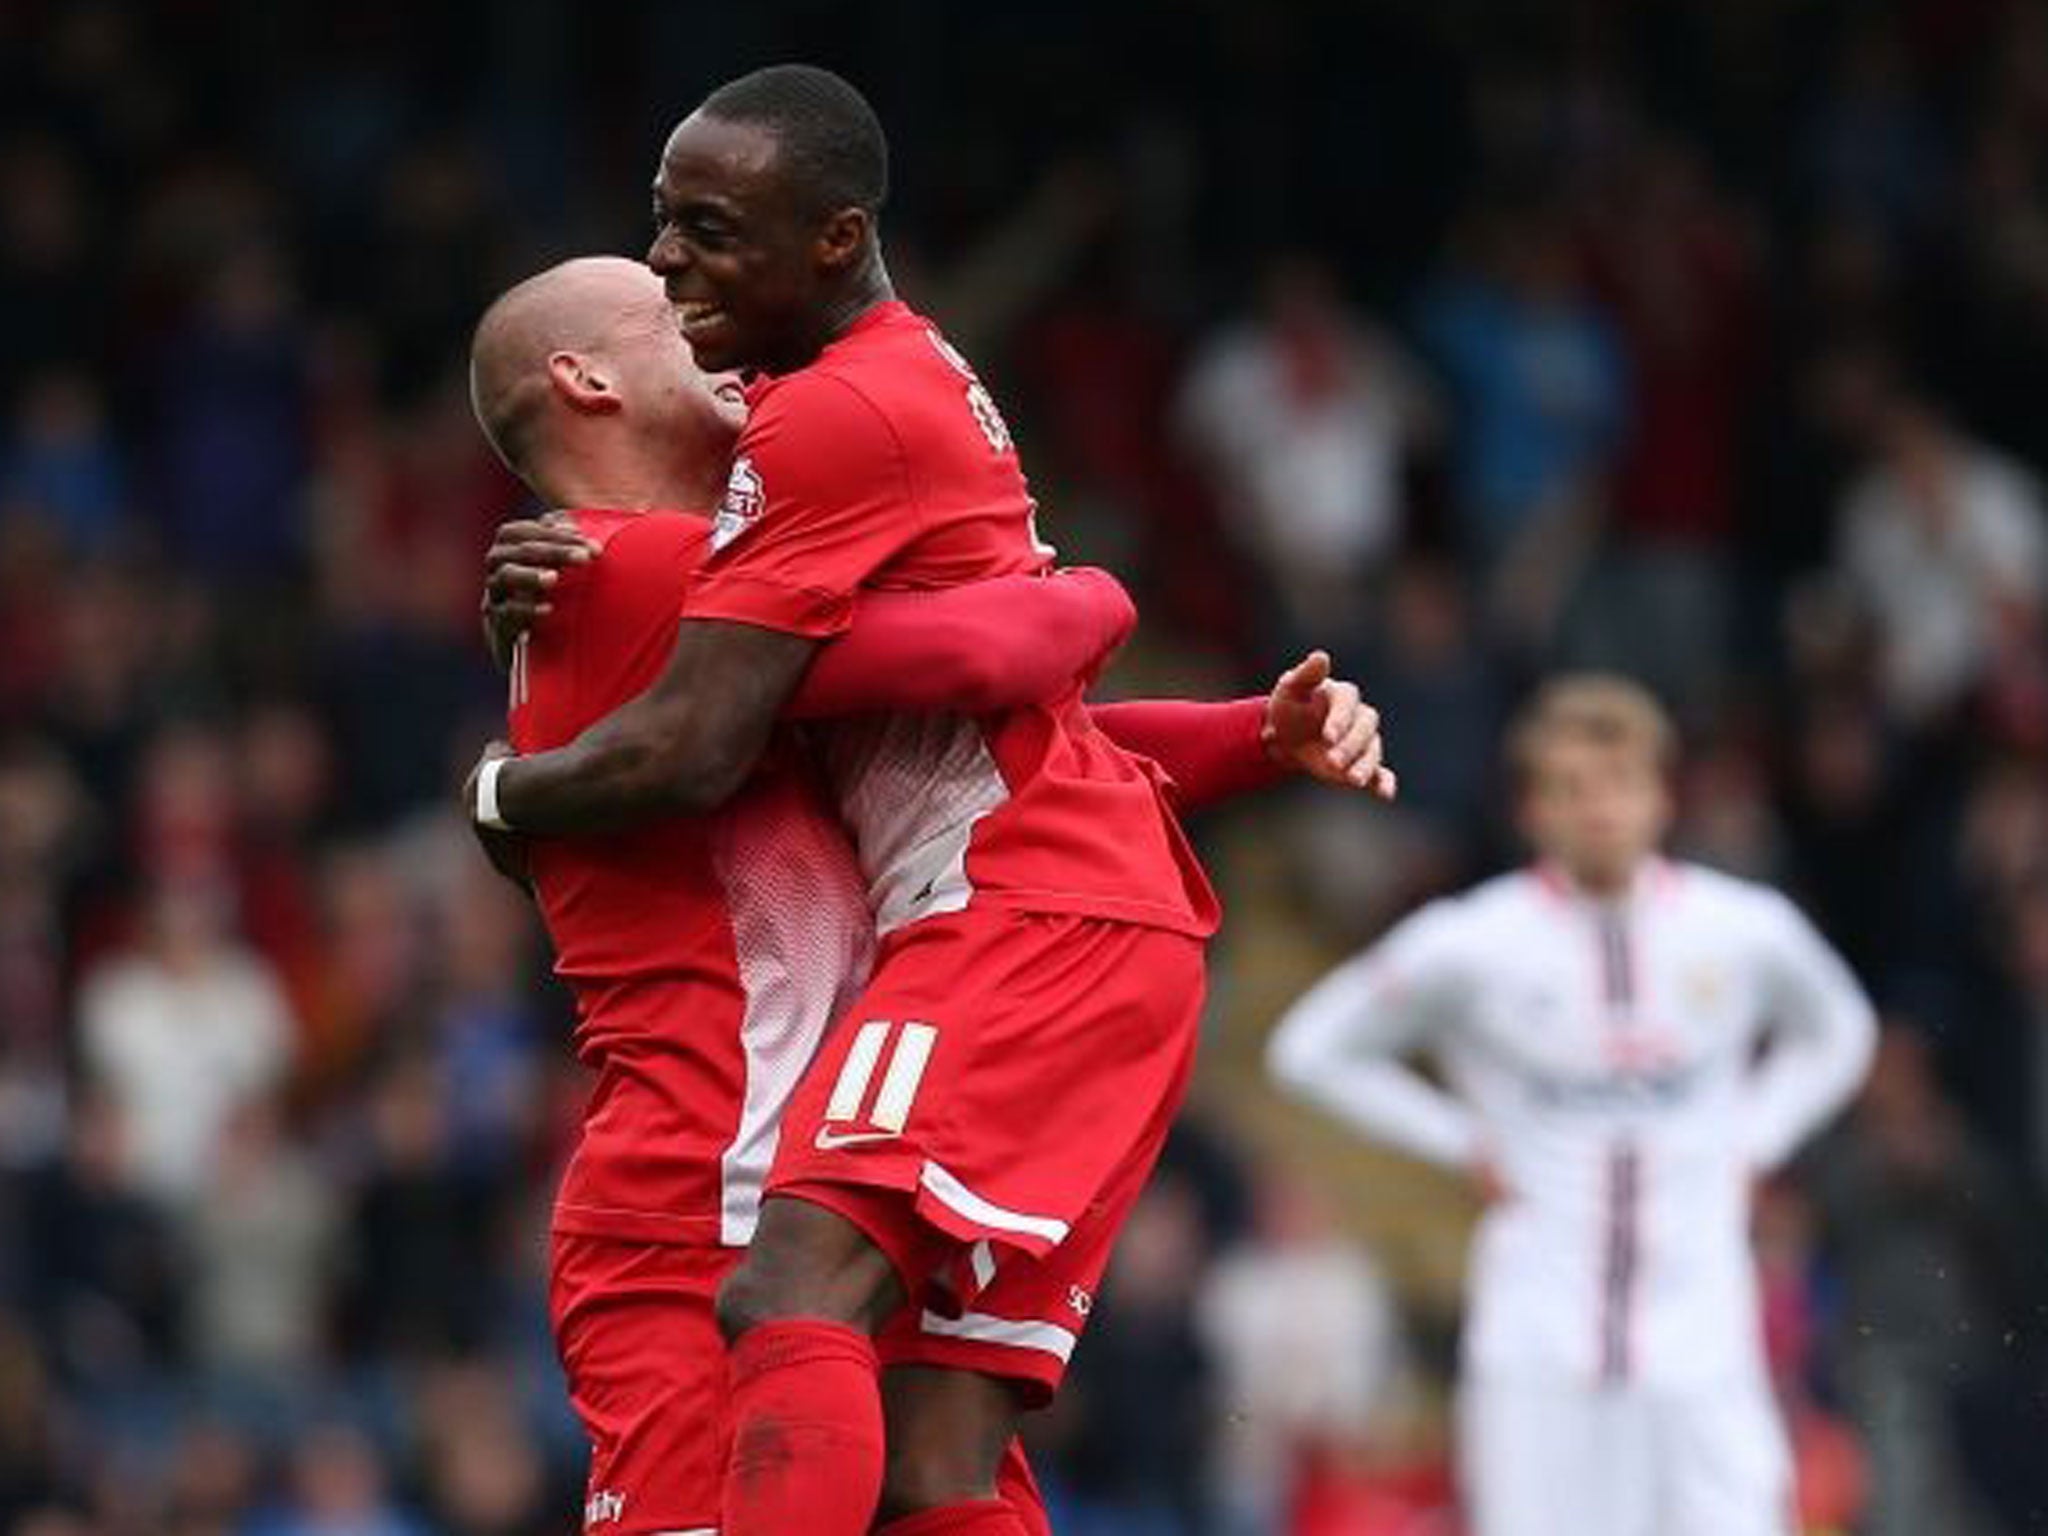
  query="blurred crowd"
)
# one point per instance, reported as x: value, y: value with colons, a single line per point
x: 1706, y: 341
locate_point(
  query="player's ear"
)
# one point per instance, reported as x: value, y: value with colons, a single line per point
x: 583, y: 382
x: 843, y: 237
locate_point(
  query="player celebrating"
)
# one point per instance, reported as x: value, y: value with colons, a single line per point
x: 1598, y: 1019
x: 708, y: 955
x: 973, y: 1144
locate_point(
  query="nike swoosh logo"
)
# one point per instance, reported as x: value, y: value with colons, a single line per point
x: 827, y: 1140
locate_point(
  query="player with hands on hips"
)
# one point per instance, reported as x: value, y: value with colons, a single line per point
x: 1626, y: 1044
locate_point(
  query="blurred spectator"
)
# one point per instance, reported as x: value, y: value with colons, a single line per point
x: 184, y: 826
x: 284, y: 778
x: 33, y: 573
x: 1536, y: 381
x: 338, y: 1488
x: 1439, y: 681
x: 1306, y: 415
x: 1304, y: 1335
x: 487, y: 1032
x: 1871, y: 147
x: 1137, y: 1447
x: 1829, y: 1464
x: 61, y: 461
x: 2023, y: 1035
x: 417, y: 1234
x: 94, y: 705
x: 1843, y: 835
x: 395, y: 684
x: 1929, y: 1244
x: 438, y: 248
x: 213, y: 1479
x: 1727, y: 820
x: 1984, y: 325
x: 182, y: 1032
x: 1100, y: 368
x: 483, y: 1475
x: 1673, y: 268
x: 232, y: 408
x: 44, y: 833
x: 27, y: 1432
x: 98, y: 1283
x: 1943, y: 546
x: 49, y: 279
x: 261, y: 1246
x: 374, y: 953
x: 1440, y: 684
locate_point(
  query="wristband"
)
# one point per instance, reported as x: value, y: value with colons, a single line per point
x: 487, y: 812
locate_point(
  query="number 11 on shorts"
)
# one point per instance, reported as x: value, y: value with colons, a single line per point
x: 908, y: 1048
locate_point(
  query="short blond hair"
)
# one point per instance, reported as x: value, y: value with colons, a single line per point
x: 1599, y: 708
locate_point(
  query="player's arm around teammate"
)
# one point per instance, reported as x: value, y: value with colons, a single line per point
x: 973, y: 649
x: 997, y: 644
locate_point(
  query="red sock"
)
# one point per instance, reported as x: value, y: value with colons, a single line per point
x: 806, y: 1409
x: 982, y: 1517
x: 1019, y: 1490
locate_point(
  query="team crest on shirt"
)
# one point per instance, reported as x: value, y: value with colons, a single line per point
x: 744, y: 502
x: 1705, y: 986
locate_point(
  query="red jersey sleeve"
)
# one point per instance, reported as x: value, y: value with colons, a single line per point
x: 819, y: 499
x: 987, y: 646
x: 1210, y: 751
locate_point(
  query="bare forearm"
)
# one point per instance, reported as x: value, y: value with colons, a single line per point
x: 631, y: 766
x: 681, y: 747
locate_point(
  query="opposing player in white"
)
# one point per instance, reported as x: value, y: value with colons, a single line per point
x: 1628, y: 1043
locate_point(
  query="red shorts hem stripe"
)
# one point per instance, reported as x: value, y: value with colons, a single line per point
x: 954, y: 1208
x: 980, y: 1328
x: 939, y: 1199
x: 1035, y: 1372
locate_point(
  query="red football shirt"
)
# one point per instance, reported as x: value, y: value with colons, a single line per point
x: 708, y: 955
x: 886, y: 464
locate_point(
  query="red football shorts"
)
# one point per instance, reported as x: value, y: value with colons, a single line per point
x: 639, y: 1342
x: 988, y: 1112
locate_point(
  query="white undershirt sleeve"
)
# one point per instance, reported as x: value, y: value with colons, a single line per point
x: 1340, y: 1046
x: 1826, y: 1034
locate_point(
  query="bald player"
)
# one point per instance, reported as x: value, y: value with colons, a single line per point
x: 709, y: 955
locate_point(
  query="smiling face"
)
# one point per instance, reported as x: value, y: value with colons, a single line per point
x: 753, y: 268
x: 656, y: 375
x: 585, y: 386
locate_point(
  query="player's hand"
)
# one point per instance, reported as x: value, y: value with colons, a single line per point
x: 525, y: 560
x: 505, y: 850
x: 1321, y: 726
